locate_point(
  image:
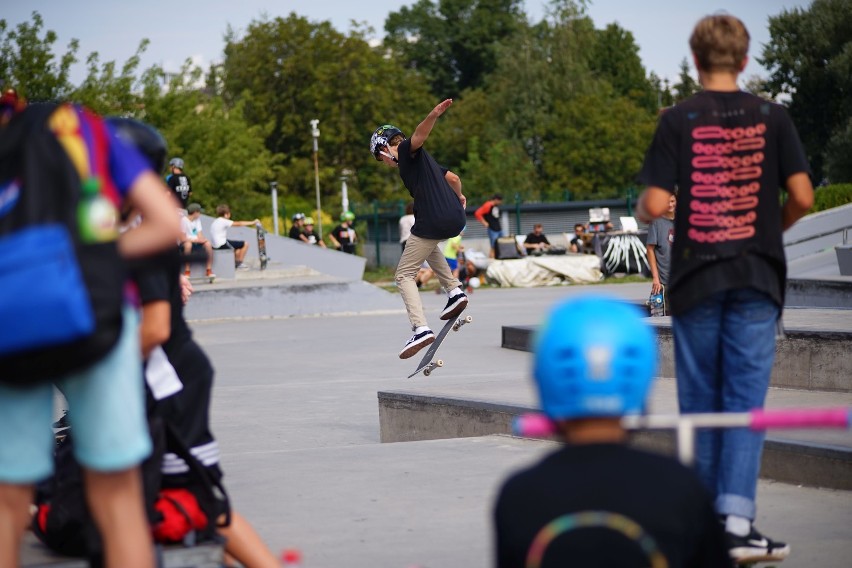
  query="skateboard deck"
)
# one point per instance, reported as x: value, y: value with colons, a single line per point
x: 261, y: 246
x: 657, y: 303
x: 427, y: 363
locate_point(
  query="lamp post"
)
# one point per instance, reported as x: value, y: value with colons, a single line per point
x: 315, y: 133
x: 273, y: 186
x: 343, y: 189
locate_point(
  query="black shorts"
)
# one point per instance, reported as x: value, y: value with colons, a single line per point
x: 229, y: 244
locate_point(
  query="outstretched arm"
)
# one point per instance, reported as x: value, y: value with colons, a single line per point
x: 421, y: 133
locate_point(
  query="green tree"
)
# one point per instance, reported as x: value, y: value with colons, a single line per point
x: 615, y: 58
x: 498, y: 167
x: 106, y: 91
x: 287, y: 72
x: 225, y: 156
x: 452, y: 42
x: 28, y: 64
x: 809, y: 57
x: 686, y: 85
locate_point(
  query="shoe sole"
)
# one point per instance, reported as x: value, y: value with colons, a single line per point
x: 459, y: 308
x: 745, y: 555
x: 412, y: 350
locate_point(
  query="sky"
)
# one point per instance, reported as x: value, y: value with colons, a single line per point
x: 195, y: 29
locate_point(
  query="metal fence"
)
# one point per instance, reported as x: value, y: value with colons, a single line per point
x: 380, y: 244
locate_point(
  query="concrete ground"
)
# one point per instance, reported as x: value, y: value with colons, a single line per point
x: 296, y: 415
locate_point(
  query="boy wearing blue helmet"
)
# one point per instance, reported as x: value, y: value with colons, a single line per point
x: 596, y: 501
x: 438, y: 215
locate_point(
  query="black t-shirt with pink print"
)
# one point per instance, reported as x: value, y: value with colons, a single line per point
x: 728, y: 154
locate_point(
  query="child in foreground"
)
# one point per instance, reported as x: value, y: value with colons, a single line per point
x: 596, y: 501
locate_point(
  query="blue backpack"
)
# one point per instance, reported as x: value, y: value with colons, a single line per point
x: 61, y: 276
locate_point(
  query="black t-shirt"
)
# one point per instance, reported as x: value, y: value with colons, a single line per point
x: 158, y: 279
x: 606, y: 505
x: 295, y: 233
x: 344, y: 235
x: 181, y: 186
x: 728, y: 154
x: 534, y: 239
x: 438, y: 213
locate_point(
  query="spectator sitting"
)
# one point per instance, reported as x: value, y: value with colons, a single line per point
x: 405, y: 224
x: 536, y: 242
x: 193, y: 239
x: 343, y: 236
x: 576, y: 244
x: 313, y: 238
x: 452, y: 250
x: 219, y: 234
x: 297, y: 229
x: 596, y: 501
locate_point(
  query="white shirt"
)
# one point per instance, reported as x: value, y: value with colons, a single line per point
x: 405, y: 224
x: 219, y: 231
x: 186, y: 229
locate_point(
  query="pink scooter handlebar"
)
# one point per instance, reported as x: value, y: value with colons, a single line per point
x: 539, y: 426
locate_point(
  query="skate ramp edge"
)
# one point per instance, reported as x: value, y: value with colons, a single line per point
x: 408, y: 416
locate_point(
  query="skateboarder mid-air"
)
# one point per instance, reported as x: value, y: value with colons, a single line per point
x: 438, y: 215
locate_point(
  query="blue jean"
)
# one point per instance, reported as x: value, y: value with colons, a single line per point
x: 724, y: 350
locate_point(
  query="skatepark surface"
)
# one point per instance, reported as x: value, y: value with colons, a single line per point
x: 295, y: 412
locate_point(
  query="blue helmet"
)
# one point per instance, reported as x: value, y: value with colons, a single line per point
x: 594, y: 357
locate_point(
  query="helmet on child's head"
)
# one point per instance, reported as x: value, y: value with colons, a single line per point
x: 298, y: 217
x: 595, y: 356
x: 143, y: 137
x: 382, y: 137
x: 347, y: 216
x: 176, y: 163
x: 309, y: 220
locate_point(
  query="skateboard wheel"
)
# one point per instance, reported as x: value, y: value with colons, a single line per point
x: 439, y: 363
x: 468, y: 319
x: 427, y: 372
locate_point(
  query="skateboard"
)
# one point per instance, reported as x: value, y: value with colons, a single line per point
x: 427, y: 364
x: 657, y: 304
x: 261, y: 246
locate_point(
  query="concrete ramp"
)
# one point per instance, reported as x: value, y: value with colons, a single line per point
x: 298, y: 291
x: 288, y: 252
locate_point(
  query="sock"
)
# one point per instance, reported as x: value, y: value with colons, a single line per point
x: 421, y: 329
x: 456, y: 291
x: 739, y: 526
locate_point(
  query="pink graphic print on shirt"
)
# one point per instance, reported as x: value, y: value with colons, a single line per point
x: 727, y: 165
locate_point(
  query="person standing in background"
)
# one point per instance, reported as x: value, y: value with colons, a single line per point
x: 489, y: 215
x: 179, y: 183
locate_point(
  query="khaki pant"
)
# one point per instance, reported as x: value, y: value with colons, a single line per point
x: 417, y: 250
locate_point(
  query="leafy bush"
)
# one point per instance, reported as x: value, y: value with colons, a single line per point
x: 832, y: 196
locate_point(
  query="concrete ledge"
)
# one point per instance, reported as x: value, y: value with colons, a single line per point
x: 811, y: 293
x: 805, y: 359
x: 406, y: 417
x: 207, y: 555
x: 295, y: 296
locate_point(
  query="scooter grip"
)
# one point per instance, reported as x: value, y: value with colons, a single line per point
x: 838, y: 417
x: 533, y: 426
